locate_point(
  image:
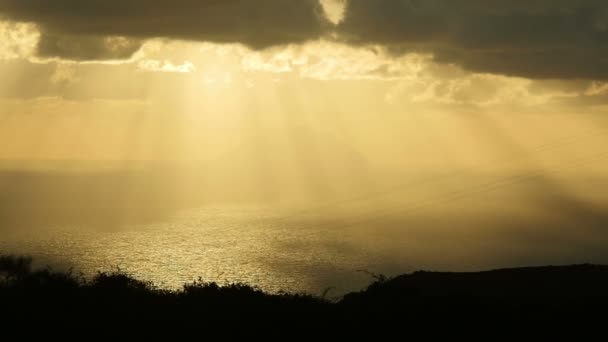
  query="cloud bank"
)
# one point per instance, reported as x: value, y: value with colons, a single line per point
x: 535, y: 39
x: 112, y: 29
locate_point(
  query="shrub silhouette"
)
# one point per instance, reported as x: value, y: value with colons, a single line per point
x: 14, y: 267
x: 528, y: 293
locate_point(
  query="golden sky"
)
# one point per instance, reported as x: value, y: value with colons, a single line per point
x: 191, y: 79
x: 308, y: 90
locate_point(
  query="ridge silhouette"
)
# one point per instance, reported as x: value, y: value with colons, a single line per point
x: 532, y: 293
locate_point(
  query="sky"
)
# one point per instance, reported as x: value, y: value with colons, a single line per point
x: 301, y: 99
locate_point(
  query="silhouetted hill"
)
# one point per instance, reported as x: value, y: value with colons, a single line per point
x: 522, y: 294
x: 578, y: 280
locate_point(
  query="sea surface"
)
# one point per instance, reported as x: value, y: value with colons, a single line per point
x: 303, y: 252
x: 216, y: 244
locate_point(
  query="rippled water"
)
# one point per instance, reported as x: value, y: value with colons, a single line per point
x: 277, y: 252
x: 225, y: 245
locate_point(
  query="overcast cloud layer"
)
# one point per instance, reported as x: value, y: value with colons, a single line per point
x: 533, y: 38
x: 79, y: 30
x: 561, y: 39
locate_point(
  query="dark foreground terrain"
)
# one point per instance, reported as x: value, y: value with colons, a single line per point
x: 538, y: 294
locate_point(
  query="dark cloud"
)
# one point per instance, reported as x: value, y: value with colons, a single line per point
x: 537, y: 39
x: 77, y: 29
x: 541, y: 39
x: 77, y: 47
